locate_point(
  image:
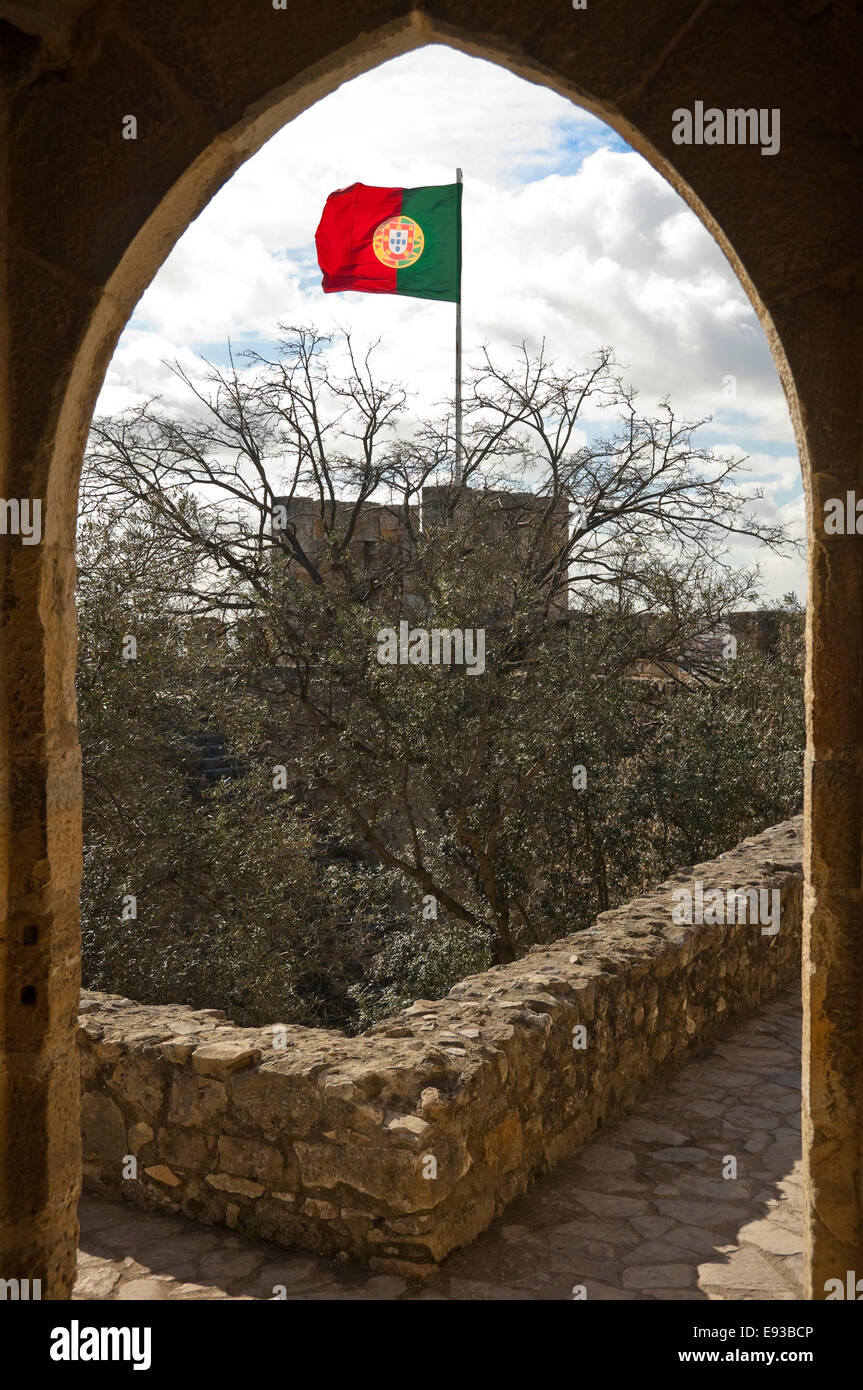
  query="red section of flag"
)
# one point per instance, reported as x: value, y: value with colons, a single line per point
x: 346, y: 256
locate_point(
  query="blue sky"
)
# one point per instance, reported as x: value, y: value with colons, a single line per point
x: 569, y: 236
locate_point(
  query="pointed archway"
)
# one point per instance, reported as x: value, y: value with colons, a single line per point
x: 89, y: 217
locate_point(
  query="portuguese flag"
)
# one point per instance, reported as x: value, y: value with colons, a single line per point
x: 392, y: 241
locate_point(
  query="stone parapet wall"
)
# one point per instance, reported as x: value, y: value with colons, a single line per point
x: 403, y: 1143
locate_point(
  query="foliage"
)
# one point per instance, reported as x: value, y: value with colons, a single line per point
x: 409, y: 784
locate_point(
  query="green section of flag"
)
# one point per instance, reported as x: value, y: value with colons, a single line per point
x: 437, y: 273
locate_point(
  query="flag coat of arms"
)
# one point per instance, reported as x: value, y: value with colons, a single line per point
x: 392, y: 241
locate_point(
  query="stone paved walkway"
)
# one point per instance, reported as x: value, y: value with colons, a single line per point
x: 643, y: 1212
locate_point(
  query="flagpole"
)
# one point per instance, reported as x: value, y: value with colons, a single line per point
x: 459, y: 469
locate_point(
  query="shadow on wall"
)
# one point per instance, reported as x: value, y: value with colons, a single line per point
x: 403, y: 1143
x: 643, y: 1212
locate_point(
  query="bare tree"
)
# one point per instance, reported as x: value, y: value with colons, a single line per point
x: 580, y: 554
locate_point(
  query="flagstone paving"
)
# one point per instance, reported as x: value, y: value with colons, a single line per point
x: 643, y: 1212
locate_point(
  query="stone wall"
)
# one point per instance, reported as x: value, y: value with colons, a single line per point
x: 405, y: 1142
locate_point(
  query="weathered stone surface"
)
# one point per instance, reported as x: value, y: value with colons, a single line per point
x: 744, y: 1270
x: 274, y: 1101
x: 139, y: 1135
x: 602, y: 1205
x: 221, y: 1058
x: 533, y: 1259
x: 324, y: 1211
x: 140, y: 1080
x: 97, y: 1283
x: 671, y: 1276
x: 226, y: 1182
x: 143, y: 1290
x: 697, y: 1213
x: 407, y: 1127
x: 504, y: 1145
x: 197, y: 1101
x: 381, y: 1145
x: 612, y: 1158
x: 770, y: 1236
x: 250, y: 1159
x: 103, y: 1130
x: 85, y: 226
x: 681, y: 1154
x: 160, y: 1173
x: 651, y: 1227
x: 185, y: 1148
x: 393, y: 1176
x: 573, y: 1234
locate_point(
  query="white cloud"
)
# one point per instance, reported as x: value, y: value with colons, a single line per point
x: 568, y: 237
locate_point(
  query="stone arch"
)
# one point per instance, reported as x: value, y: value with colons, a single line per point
x: 88, y: 219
